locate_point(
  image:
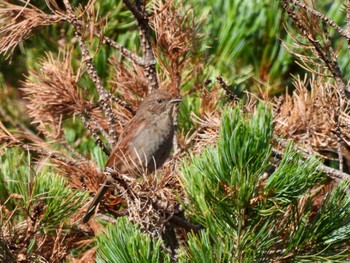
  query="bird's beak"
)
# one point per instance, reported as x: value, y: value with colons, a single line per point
x: 177, y: 100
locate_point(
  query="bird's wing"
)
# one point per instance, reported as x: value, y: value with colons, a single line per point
x: 132, y: 130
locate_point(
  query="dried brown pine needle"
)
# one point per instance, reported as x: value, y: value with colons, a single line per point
x: 85, y: 175
x: 52, y: 91
x: 7, y: 139
x: 175, y: 32
x: 309, y: 115
x: 17, y: 23
x: 5, y: 143
x: 177, y: 35
x: 153, y: 200
x: 129, y: 81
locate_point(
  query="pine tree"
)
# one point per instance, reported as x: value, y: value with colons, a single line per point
x: 249, y: 215
x: 241, y: 198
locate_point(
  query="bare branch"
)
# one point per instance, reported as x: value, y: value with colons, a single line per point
x: 327, y: 55
x: 332, y: 173
x: 95, y: 135
x: 331, y: 64
x: 123, y: 104
x: 87, y: 59
x: 324, y: 18
x: 45, y: 153
x: 69, y: 148
x: 125, y: 52
x: 98, y: 124
x: 340, y: 106
x: 139, y: 12
x: 227, y: 90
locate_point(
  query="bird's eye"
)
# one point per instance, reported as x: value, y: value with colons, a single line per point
x: 159, y: 100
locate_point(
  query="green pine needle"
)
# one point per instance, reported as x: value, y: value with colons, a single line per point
x: 124, y: 242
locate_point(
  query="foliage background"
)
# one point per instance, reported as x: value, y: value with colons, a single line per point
x: 245, y: 42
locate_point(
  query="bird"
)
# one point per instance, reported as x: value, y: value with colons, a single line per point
x: 144, y: 145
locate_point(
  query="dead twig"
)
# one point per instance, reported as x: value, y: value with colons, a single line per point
x: 331, y: 172
x: 140, y: 13
x: 87, y: 59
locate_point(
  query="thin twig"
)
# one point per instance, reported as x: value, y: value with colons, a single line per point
x: 340, y: 106
x: 123, y: 104
x: 125, y: 52
x: 19, y: 125
x: 99, y: 127
x: 331, y: 172
x: 69, y: 148
x: 52, y: 155
x: 94, y: 135
x: 103, y: 94
x: 324, y: 18
x: 227, y: 90
x: 139, y: 12
x: 35, y: 138
x: 331, y: 64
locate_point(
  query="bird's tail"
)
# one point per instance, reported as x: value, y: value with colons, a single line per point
x: 97, y: 199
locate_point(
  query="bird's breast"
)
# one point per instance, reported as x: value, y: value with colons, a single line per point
x: 153, y: 144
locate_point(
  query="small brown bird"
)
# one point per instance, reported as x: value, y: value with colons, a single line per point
x: 144, y: 145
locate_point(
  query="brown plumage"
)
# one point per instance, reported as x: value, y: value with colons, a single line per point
x: 144, y: 145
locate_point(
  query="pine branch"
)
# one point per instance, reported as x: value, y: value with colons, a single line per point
x: 340, y: 108
x: 87, y: 59
x: 324, y: 18
x: 123, y: 104
x: 20, y: 126
x: 139, y: 12
x: 227, y: 90
x: 330, y: 61
x: 99, y: 127
x: 70, y: 149
x: 27, y: 134
x: 45, y: 153
x: 95, y: 135
x: 125, y: 52
x: 331, y: 64
x: 18, y: 22
x: 331, y: 172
